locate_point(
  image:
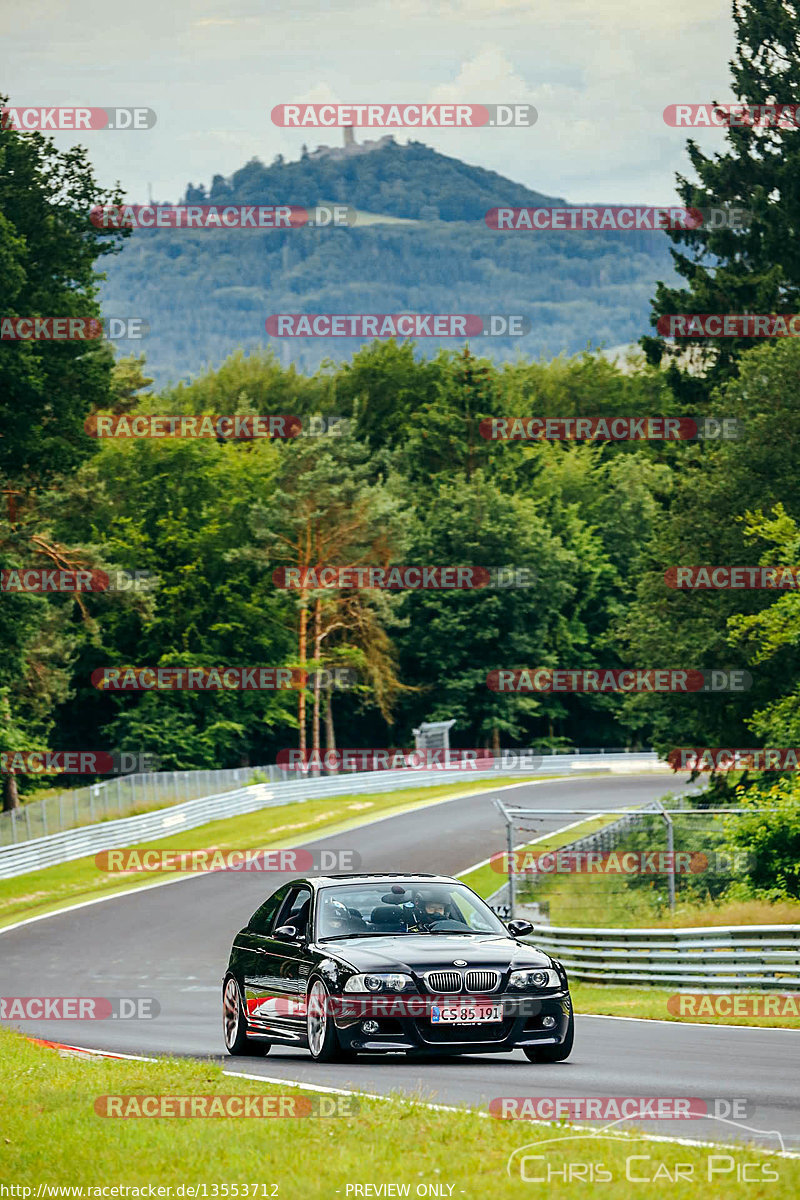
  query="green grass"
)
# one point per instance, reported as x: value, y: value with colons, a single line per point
x: 651, y: 1003
x: 605, y: 901
x: 54, y: 888
x: 51, y: 1134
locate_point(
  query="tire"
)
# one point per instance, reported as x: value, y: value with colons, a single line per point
x: 551, y: 1054
x: 234, y: 1026
x: 323, y: 1040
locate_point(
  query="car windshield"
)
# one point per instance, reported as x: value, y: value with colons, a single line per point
x: 392, y: 907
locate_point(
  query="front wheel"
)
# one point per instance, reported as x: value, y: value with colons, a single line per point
x: 234, y: 1026
x: 550, y: 1054
x: 323, y: 1041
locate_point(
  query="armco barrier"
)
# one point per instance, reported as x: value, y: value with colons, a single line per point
x: 33, y: 854
x: 130, y: 795
x: 125, y: 796
x: 130, y: 831
x: 725, y: 957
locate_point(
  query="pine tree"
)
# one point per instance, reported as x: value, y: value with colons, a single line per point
x: 755, y: 268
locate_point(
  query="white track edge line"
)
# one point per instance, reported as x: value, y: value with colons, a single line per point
x: 693, y: 1024
x: 475, y: 1112
x: 622, y: 1135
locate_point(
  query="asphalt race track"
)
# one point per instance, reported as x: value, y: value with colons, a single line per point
x: 172, y: 943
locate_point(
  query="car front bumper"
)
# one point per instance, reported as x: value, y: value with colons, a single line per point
x: 522, y: 1024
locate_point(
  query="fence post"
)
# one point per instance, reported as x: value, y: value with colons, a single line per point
x: 510, y: 842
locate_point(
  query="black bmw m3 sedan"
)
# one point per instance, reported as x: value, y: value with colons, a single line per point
x: 375, y: 963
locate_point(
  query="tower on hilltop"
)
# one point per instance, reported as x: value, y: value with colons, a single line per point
x: 349, y: 136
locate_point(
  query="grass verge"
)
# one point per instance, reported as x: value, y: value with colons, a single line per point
x: 52, y: 1135
x: 608, y: 900
x: 651, y: 1003
x: 54, y: 888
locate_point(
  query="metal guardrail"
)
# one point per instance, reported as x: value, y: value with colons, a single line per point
x: 36, y: 853
x: 130, y: 831
x: 127, y: 795
x: 729, y: 957
x: 743, y: 956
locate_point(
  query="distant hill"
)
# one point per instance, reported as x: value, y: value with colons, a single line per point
x: 401, y: 181
x: 206, y: 292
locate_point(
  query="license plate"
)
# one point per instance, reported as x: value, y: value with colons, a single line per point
x: 466, y: 1014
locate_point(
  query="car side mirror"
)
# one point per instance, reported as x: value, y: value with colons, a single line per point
x: 518, y: 928
x: 287, y: 933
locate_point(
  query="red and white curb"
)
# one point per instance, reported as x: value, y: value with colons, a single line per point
x: 65, y: 1051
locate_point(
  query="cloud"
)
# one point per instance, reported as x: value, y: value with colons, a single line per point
x: 487, y: 78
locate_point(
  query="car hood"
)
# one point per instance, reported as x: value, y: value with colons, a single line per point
x: 424, y: 952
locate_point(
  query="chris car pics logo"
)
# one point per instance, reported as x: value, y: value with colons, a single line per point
x: 608, y: 1156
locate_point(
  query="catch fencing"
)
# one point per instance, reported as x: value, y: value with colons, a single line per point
x: 127, y: 795
x: 632, y: 868
x: 765, y: 957
x: 124, y: 796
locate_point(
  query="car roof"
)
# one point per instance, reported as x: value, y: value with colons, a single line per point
x: 318, y: 881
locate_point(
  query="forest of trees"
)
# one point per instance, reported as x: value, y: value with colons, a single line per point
x: 411, y: 481
x: 407, y: 479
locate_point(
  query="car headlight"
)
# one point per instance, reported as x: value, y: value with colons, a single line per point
x: 394, y: 982
x: 534, y: 980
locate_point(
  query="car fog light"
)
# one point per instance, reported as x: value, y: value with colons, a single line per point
x: 548, y: 1022
x: 369, y: 1026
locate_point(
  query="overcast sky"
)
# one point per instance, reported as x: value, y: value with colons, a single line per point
x: 600, y: 73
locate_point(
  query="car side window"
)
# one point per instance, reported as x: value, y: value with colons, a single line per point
x: 263, y: 918
x: 469, y: 914
x: 295, y: 909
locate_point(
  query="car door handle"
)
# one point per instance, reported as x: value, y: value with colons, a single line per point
x: 261, y: 950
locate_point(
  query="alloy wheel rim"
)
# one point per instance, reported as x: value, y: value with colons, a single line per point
x: 231, y: 1012
x: 317, y: 1018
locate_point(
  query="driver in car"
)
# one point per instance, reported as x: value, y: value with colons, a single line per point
x: 339, y: 919
x: 429, y: 908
